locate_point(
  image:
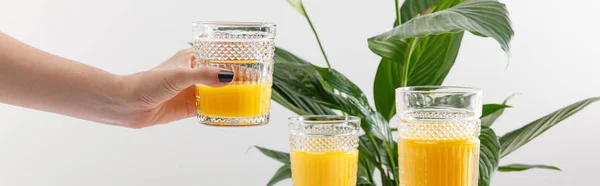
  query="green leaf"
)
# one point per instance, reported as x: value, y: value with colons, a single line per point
x: 339, y: 82
x: 491, y: 112
x: 522, y: 167
x: 329, y: 78
x: 276, y: 155
x: 489, y: 155
x: 317, y: 90
x: 431, y: 61
x: 489, y: 109
x: 303, y: 83
x: 517, y: 138
x: 386, y: 82
x: 488, y: 18
x: 285, y: 92
x: 282, y: 173
x: 365, y: 172
x: 431, y: 58
x: 283, y: 101
x: 284, y: 56
x: 352, y: 101
x: 297, y: 4
x: 372, y: 122
x: 309, y: 86
x: 364, y: 181
x: 414, y: 8
x: 372, y: 154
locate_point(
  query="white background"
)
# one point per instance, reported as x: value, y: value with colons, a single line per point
x: 553, y: 63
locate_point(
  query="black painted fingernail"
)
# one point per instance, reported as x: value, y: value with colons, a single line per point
x: 225, y: 76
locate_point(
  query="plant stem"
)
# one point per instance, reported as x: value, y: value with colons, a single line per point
x: 397, y: 12
x: 368, y: 173
x: 317, y: 36
x: 392, y: 161
x: 406, y: 65
x: 383, y: 173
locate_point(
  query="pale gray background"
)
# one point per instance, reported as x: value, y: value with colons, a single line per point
x: 553, y: 63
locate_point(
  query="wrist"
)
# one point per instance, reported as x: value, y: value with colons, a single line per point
x: 119, y: 102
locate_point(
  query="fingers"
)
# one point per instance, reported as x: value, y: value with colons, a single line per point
x: 177, y: 73
x: 159, y: 85
x: 183, y: 58
x: 210, y: 76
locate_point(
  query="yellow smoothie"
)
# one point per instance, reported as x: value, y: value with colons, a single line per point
x: 324, y: 168
x: 438, y: 162
x: 239, y: 99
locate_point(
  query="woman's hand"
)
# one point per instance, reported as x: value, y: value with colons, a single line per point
x: 166, y: 93
x: 35, y: 79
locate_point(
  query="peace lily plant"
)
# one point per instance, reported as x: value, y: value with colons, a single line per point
x: 420, y: 49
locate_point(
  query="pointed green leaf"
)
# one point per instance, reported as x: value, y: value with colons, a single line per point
x: 372, y: 153
x: 491, y: 112
x: 282, y: 101
x: 339, y: 83
x: 284, y: 56
x: 310, y: 86
x: 365, y: 172
x: 522, y: 167
x: 317, y: 90
x: 282, y: 173
x: 352, y: 101
x: 297, y: 4
x: 393, y: 49
x: 488, y: 18
x: 285, y: 91
x: 372, y: 122
x: 431, y: 58
x: 491, y: 108
x: 414, y: 8
x: 276, y: 155
x: 517, y: 138
x: 304, y: 84
x: 384, y: 87
x: 431, y: 61
x: 363, y: 181
x: 489, y: 155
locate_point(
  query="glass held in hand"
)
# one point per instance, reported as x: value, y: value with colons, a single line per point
x: 246, y: 49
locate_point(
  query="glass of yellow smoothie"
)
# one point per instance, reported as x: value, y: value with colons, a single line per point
x: 439, y: 129
x: 324, y: 150
x: 247, y: 49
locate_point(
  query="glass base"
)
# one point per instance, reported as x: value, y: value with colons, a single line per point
x: 233, y: 122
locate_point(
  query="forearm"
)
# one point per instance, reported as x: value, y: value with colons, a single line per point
x: 35, y: 79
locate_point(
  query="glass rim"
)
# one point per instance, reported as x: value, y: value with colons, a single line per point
x: 323, y: 119
x: 438, y: 89
x: 234, y: 23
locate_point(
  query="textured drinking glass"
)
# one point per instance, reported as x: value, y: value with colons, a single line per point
x: 247, y: 49
x: 324, y: 150
x: 439, y: 129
